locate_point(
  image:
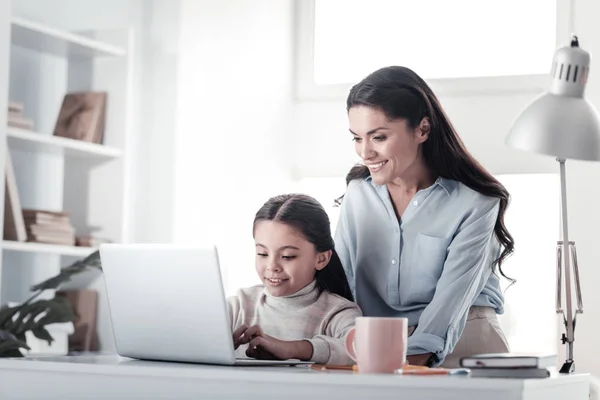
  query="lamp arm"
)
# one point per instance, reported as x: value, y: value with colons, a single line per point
x: 564, y: 251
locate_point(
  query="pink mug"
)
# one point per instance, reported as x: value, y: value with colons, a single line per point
x: 378, y: 345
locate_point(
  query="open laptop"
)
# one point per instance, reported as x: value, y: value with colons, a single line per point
x: 167, y: 303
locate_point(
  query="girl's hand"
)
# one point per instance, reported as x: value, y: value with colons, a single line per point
x: 238, y: 336
x: 265, y: 347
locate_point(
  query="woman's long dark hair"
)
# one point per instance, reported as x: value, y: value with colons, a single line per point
x: 401, y: 94
x: 308, y: 217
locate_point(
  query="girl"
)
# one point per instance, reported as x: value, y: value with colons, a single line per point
x: 305, y: 308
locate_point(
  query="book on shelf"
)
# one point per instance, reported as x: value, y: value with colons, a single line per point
x: 89, y: 241
x: 15, y: 106
x: 50, y: 227
x: 85, y: 305
x: 16, y: 119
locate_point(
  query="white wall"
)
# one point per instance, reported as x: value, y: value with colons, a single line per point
x: 154, y: 194
x: 234, y: 104
x: 583, y: 200
x: 323, y: 145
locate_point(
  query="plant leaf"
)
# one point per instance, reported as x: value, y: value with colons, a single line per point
x: 57, y: 310
x: 60, y: 310
x: 27, y: 315
x: 5, y: 335
x: 91, y: 261
x: 14, y: 353
x: 10, y: 345
x: 52, y: 283
x: 6, y: 315
x: 42, y: 333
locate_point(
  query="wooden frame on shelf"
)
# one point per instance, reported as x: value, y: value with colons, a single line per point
x: 14, y: 223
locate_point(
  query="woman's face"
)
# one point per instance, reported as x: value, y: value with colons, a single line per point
x: 388, y: 148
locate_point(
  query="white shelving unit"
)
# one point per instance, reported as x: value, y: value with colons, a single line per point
x: 41, y: 248
x: 39, y: 64
x: 37, y: 142
x: 36, y: 36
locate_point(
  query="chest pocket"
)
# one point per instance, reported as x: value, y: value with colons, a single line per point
x: 427, y: 266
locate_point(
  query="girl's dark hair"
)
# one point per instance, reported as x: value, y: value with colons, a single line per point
x: 402, y: 94
x: 307, y: 216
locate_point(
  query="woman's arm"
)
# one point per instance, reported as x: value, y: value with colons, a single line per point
x: 330, y: 348
x: 466, y: 270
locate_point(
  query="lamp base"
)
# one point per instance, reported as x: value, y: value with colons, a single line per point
x: 568, y: 367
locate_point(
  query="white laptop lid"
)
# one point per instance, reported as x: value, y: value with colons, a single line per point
x: 167, y: 302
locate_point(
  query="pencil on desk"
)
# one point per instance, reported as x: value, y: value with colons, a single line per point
x: 325, y: 367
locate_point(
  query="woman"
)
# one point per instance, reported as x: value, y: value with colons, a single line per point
x: 421, y: 232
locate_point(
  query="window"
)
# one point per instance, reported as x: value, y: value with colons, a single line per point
x: 341, y: 41
x: 533, y: 219
x: 529, y: 320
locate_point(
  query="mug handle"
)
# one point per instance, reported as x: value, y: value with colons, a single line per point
x: 350, y: 345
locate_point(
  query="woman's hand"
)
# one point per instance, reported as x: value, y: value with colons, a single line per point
x: 419, y: 359
x: 266, y: 347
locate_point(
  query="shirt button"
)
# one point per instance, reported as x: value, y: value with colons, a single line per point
x: 416, y: 203
x: 393, y: 261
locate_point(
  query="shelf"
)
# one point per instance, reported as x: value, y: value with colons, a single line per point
x: 41, y: 248
x: 35, y: 36
x: 25, y: 140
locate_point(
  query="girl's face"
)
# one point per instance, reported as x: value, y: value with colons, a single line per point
x: 389, y: 148
x: 285, y: 261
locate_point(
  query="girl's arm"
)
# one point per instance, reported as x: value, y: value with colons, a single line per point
x: 330, y: 348
x: 233, y: 309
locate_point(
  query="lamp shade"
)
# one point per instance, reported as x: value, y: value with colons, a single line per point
x: 561, y: 122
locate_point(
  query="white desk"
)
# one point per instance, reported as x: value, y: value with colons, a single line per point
x: 110, y: 377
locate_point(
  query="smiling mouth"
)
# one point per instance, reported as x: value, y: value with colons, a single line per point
x: 376, y: 167
x: 275, y: 281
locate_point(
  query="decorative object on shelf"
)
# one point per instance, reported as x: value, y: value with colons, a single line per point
x: 82, y: 117
x: 16, y: 118
x: 34, y: 315
x: 85, y: 303
x: 14, y: 224
x: 51, y: 227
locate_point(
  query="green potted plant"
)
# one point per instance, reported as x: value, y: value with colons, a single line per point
x: 35, y: 314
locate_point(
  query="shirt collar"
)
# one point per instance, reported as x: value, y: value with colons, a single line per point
x: 447, y: 184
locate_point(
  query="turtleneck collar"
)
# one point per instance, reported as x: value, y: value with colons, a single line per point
x: 302, y: 298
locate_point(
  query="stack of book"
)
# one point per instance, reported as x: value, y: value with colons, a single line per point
x: 16, y: 118
x: 510, y: 365
x: 49, y: 227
